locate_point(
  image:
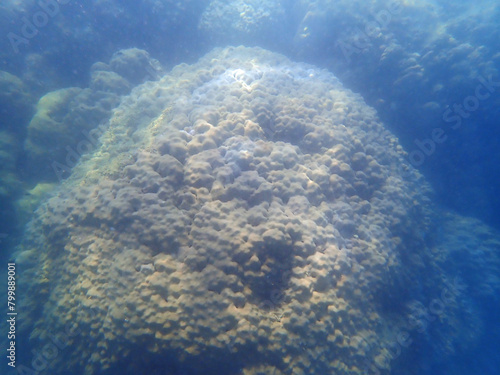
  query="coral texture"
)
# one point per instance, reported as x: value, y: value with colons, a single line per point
x: 59, y: 130
x: 245, y: 213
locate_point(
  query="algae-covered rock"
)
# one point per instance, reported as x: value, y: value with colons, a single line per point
x: 245, y: 214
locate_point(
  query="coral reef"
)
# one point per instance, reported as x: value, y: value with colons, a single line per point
x: 423, y: 58
x: 245, y: 214
x: 430, y: 59
x: 60, y: 122
x: 65, y: 117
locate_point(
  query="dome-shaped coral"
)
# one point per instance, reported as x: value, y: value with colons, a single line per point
x: 244, y: 213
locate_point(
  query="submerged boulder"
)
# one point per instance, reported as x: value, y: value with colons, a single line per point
x: 245, y: 214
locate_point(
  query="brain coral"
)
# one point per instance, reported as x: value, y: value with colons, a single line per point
x: 245, y: 214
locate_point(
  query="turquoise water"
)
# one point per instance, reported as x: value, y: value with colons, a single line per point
x: 72, y: 106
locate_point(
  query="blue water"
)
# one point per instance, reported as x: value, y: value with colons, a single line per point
x: 429, y: 68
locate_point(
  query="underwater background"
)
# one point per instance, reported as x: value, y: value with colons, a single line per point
x: 93, y: 95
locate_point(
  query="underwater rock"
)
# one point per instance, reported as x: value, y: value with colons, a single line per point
x: 243, y: 214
